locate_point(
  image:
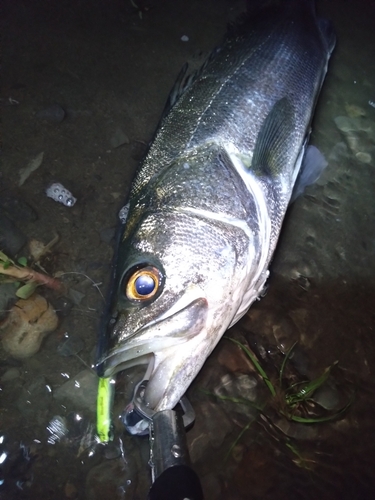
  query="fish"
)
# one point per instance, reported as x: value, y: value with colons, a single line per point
x: 208, y: 200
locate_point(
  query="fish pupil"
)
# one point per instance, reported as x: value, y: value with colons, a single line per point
x: 144, y: 285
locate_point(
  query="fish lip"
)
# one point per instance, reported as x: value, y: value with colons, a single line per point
x: 141, y: 347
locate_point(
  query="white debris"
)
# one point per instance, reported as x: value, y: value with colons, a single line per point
x: 59, y: 193
x: 184, y: 38
x: 32, y: 165
x: 123, y: 214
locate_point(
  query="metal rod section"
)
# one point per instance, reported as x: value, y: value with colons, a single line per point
x: 172, y: 477
x: 168, y: 441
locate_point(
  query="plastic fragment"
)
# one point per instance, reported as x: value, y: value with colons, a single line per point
x: 59, y: 193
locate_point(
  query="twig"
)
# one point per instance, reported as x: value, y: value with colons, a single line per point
x: 27, y: 274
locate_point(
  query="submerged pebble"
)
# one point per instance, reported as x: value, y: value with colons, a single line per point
x: 344, y: 123
x: 107, y: 234
x: 112, y: 479
x: 363, y: 157
x: 338, y: 152
x: 354, y: 111
x: 12, y: 239
x: 7, y: 295
x: 112, y: 451
x: 70, y: 490
x: 119, y: 138
x: 10, y: 374
x: 34, y: 398
x: 17, y: 208
x: 72, y: 345
x: 81, y: 390
x: 63, y: 306
x: 52, y: 114
x: 328, y: 397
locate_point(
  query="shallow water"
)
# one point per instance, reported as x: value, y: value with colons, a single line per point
x: 110, y: 67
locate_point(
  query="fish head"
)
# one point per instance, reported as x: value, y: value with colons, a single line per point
x: 178, y: 280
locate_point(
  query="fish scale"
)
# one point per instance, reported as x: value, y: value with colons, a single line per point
x: 268, y: 62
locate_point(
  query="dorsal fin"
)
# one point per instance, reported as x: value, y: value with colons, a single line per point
x: 184, y: 81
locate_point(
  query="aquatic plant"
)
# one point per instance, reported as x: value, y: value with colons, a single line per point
x: 19, y: 272
x: 290, y: 400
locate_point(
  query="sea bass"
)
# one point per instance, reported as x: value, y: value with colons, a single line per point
x: 208, y: 201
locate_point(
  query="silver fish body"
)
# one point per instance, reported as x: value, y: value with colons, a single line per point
x: 208, y: 201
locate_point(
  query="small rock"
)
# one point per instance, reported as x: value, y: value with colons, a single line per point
x: 17, y: 208
x: 354, y: 111
x: 363, y: 157
x: 119, y: 138
x: 34, y: 398
x: 76, y: 296
x: 81, y: 390
x: 112, y: 479
x: 238, y: 386
x: 198, y: 446
x: 210, y: 431
x: 138, y: 150
x: 233, y: 358
x: 11, y: 238
x: 7, y: 294
x: 211, y: 486
x: 52, y: 114
x: 62, y: 306
x: 328, y: 397
x: 112, y: 450
x: 71, y: 345
x: 70, y: 490
x: 285, y: 331
x: 237, y: 452
x: 344, y: 123
x: 10, y: 374
x: 116, y: 195
x: 260, y: 475
x: 338, y: 152
x: 107, y: 234
x: 36, y: 248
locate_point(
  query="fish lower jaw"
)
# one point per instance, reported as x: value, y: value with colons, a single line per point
x: 140, y: 354
x: 170, y: 332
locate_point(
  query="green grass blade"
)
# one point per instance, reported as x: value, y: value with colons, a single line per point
x: 286, y: 357
x: 25, y: 291
x: 22, y: 261
x: 237, y: 439
x: 318, y: 420
x: 255, y: 362
x: 5, y: 259
x: 309, y: 389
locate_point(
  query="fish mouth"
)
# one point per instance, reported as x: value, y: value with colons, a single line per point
x: 159, y: 344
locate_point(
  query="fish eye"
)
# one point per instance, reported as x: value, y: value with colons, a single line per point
x: 143, y: 284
